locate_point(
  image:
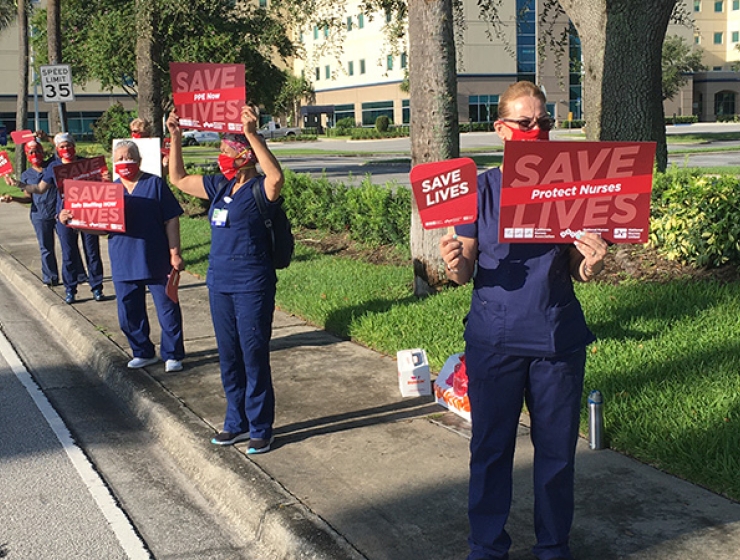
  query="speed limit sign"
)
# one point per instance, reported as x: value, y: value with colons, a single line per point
x: 56, y: 83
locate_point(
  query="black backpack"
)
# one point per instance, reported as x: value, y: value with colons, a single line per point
x: 278, y: 228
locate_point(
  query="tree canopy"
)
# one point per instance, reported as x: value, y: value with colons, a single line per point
x: 99, y: 41
x: 679, y: 60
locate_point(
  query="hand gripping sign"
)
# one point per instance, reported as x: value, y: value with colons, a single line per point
x: 209, y: 96
x: 83, y: 169
x: 446, y: 192
x: 551, y: 191
x: 95, y: 205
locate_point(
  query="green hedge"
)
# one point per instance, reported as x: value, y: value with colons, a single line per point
x: 684, y: 119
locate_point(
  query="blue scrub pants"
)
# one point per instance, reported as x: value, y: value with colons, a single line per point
x: 45, y: 235
x: 552, y: 388
x: 72, y: 260
x: 243, y: 326
x: 134, y: 321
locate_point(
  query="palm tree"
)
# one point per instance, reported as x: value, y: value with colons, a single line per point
x: 21, y: 111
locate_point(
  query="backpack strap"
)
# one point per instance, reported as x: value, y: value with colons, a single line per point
x: 259, y: 198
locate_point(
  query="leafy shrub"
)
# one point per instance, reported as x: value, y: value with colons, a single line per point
x: 372, y: 214
x: 344, y: 126
x: 382, y: 123
x: 374, y: 134
x: 696, y: 219
x: 575, y: 123
x: 681, y: 119
x: 192, y: 205
x: 112, y: 124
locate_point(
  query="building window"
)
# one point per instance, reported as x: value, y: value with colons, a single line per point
x: 318, y: 73
x: 724, y: 103
x: 388, y: 16
x: 526, y: 40
x: 327, y: 72
x: 483, y: 108
x: 351, y: 68
x: 718, y: 38
x: 716, y: 68
x: 326, y: 31
x: 344, y: 111
x: 361, y: 21
x: 301, y: 37
x: 315, y: 32
x: 719, y: 5
x: 697, y: 39
x: 735, y: 5
x: 362, y: 66
x: 406, y: 111
x: 735, y: 36
x: 263, y: 3
x: 389, y: 62
x: 405, y: 59
x: 349, y: 23
x: 697, y: 5
x: 373, y: 110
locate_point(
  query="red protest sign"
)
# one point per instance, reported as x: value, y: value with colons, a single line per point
x: 22, y: 136
x: 551, y: 191
x: 95, y: 205
x: 83, y: 169
x: 446, y: 192
x: 209, y: 96
x: 6, y: 166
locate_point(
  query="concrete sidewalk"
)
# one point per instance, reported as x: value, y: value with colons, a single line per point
x: 356, y: 470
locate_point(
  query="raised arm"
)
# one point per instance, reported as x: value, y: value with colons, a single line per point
x: 190, y: 184
x: 274, y: 177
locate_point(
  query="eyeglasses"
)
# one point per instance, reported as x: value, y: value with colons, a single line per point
x: 543, y: 123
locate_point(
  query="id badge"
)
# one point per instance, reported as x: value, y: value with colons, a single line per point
x: 218, y: 218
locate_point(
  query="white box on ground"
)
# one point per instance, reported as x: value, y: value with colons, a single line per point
x: 414, y: 378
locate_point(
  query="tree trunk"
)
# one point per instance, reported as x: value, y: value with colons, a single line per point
x: 622, y: 44
x: 148, y: 79
x: 58, y: 115
x: 435, y: 135
x: 21, y: 111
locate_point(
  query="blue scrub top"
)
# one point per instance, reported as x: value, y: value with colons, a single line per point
x: 239, y: 259
x: 49, y: 178
x: 43, y: 206
x: 523, y: 300
x: 142, y: 252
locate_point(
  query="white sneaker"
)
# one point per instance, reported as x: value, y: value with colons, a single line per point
x: 172, y: 365
x: 138, y: 363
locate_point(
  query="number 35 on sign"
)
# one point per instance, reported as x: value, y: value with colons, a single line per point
x: 56, y: 83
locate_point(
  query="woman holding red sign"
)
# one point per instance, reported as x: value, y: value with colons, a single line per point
x: 241, y: 278
x: 525, y: 341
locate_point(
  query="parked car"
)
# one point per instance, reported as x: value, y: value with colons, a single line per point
x: 196, y: 137
x: 274, y: 130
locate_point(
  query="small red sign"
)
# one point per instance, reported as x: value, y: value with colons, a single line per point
x: 446, y: 192
x: 83, y: 169
x: 95, y: 205
x: 552, y: 191
x: 6, y: 167
x: 22, y: 136
x: 209, y: 96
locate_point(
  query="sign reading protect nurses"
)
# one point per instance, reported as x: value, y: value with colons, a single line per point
x: 446, y: 192
x: 209, y: 96
x: 552, y: 191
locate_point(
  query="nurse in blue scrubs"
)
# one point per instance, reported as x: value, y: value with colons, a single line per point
x: 525, y: 341
x: 143, y: 257
x: 241, y: 278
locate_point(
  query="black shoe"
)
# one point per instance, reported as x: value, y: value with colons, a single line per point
x: 257, y: 445
x: 98, y: 294
x: 227, y: 438
x: 69, y: 299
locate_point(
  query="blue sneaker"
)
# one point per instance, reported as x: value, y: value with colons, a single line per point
x: 98, y: 294
x: 257, y: 445
x: 69, y: 299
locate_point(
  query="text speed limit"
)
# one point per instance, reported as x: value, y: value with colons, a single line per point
x: 56, y: 83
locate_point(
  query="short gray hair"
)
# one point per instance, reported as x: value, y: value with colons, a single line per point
x: 131, y: 147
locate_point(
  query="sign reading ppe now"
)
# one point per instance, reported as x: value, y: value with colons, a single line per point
x: 553, y: 191
x: 209, y: 96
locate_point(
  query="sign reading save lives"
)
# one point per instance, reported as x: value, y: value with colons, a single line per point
x: 446, y: 192
x: 551, y: 191
x: 95, y: 205
x: 56, y: 83
x: 83, y: 169
x: 209, y: 96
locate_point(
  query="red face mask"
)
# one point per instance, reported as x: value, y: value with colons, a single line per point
x: 35, y: 158
x: 126, y: 168
x: 68, y: 152
x: 229, y: 165
x: 136, y: 135
x: 535, y: 133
